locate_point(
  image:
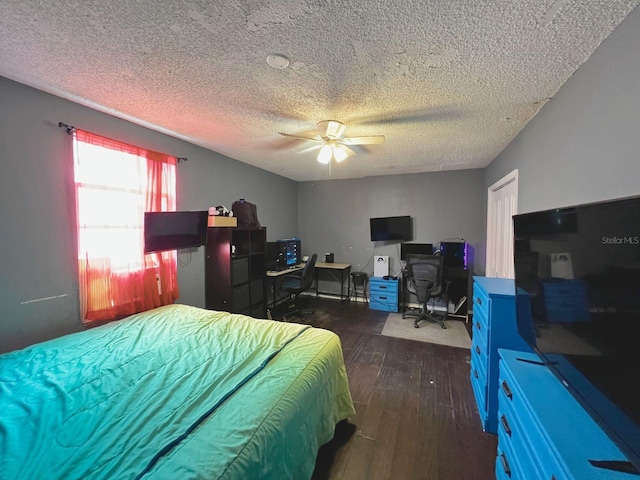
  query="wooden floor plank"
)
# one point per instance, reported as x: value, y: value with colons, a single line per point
x: 416, y: 416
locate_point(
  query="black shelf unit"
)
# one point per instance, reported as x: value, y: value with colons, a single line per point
x: 235, y: 270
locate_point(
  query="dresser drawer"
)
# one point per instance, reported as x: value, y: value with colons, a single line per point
x: 383, y: 296
x: 507, y: 466
x: 480, y: 327
x: 511, y: 431
x: 479, y: 386
x: 481, y: 302
x: 512, y: 400
x: 479, y: 351
x: 383, y: 286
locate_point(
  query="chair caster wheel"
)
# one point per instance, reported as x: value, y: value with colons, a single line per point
x: 415, y: 325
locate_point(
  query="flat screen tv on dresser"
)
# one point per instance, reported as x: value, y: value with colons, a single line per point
x: 577, y: 275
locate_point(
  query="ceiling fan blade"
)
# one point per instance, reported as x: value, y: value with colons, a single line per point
x: 371, y: 140
x: 348, y: 150
x: 311, y: 148
x: 301, y: 136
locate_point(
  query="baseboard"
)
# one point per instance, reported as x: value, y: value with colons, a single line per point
x: 332, y: 296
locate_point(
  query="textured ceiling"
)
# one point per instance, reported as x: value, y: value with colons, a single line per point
x: 448, y: 83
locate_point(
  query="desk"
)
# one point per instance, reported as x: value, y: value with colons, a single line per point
x: 344, y: 269
x: 272, y: 276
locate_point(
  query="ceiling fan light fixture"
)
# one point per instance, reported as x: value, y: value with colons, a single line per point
x: 326, y: 152
x: 332, y: 145
x: 339, y: 153
x: 331, y: 129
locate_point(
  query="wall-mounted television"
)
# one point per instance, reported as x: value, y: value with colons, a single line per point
x: 174, y: 230
x: 577, y: 277
x: 391, y: 229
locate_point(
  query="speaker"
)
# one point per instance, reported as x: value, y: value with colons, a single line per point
x: 380, y: 265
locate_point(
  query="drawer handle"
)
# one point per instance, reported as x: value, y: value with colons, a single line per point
x: 383, y: 298
x: 479, y: 301
x: 478, y: 326
x: 507, y: 390
x: 383, y: 287
x: 505, y: 425
x: 505, y: 465
x: 477, y: 349
x: 475, y: 373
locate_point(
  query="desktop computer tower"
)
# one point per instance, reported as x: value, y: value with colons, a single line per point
x: 457, y: 255
x: 272, y: 255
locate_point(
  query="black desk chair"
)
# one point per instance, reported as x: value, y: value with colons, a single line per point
x: 426, y: 283
x: 295, y: 284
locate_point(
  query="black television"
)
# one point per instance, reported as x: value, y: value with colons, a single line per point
x: 174, y: 230
x: 577, y: 277
x: 391, y: 229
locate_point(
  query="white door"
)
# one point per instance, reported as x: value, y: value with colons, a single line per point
x: 502, y: 204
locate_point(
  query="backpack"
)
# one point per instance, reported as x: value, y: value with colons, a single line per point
x: 246, y: 213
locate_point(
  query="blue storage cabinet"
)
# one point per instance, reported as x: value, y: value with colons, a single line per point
x: 543, y: 431
x: 494, y: 327
x: 383, y: 294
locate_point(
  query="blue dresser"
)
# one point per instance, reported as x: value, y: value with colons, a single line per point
x: 383, y: 294
x: 494, y: 327
x: 543, y: 431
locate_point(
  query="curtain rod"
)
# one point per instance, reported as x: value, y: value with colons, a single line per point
x: 70, y: 129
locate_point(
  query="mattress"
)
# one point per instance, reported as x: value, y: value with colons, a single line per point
x: 176, y: 392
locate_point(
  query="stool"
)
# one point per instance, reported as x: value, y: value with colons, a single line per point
x: 360, y: 279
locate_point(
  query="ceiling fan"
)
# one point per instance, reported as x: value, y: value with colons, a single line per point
x: 331, y: 143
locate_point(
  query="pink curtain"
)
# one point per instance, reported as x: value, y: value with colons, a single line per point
x: 115, y: 184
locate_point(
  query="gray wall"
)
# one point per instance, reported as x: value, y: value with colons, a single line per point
x: 334, y: 214
x: 584, y: 145
x: 36, y: 214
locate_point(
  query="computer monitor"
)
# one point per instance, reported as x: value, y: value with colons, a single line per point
x: 417, y: 248
x: 290, y: 253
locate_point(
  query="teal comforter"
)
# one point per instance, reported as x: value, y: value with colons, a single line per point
x: 177, y: 392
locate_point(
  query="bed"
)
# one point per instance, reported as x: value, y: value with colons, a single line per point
x: 177, y: 392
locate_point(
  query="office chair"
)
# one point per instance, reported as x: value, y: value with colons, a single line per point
x: 425, y: 282
x: 295, y: 284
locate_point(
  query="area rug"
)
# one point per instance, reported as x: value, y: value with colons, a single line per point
x: 455, y: 335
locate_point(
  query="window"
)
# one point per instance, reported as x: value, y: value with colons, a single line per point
x: 115, y: 184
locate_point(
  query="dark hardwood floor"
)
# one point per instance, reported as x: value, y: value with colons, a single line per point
x: 416, y: 416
